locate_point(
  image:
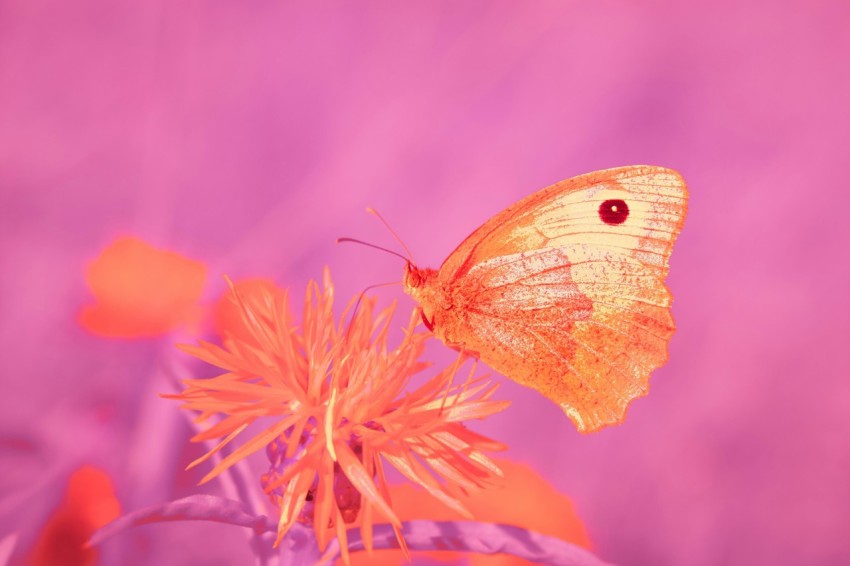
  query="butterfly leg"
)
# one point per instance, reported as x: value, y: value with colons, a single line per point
x: 462, y: 348
x: 429, y: 324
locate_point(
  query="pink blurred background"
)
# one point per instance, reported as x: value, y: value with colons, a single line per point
x: 249, y: 135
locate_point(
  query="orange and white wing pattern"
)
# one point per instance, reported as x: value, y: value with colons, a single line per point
x: 564, y: 291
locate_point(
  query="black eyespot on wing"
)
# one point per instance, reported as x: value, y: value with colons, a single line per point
x: 613, y: 211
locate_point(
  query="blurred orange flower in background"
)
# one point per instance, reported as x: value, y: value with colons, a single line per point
x: 522, y: 499
x: 89, y: 503
x: 228, y: 314
x: 141, y: 291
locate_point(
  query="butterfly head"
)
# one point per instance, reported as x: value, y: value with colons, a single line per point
x: 412, y: 277
x: 416, y: 280
x: 419, y: 284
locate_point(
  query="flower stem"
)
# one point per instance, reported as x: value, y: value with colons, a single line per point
x: 299, y: 547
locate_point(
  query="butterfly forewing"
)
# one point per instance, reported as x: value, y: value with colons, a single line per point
x: 564, y: 291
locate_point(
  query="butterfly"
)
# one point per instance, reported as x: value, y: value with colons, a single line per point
x: 564, y: 290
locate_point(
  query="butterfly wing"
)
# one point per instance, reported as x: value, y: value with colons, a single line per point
x: 564, y: 291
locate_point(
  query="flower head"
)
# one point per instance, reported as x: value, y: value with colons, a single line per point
x: 340, y: 408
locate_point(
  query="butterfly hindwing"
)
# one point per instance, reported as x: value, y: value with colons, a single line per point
x: 589, y: 347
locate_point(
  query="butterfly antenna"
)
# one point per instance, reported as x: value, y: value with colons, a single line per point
x: 393, y: 232
x: 360, y: 298
x: 341, y: 240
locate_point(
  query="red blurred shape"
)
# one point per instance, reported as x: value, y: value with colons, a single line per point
x: 525, y: 500
x: 142, y: 291
x: 229, y: 317
x: 89, y: 503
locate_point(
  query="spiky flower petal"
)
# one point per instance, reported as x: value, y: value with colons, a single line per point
x: 341, y: 407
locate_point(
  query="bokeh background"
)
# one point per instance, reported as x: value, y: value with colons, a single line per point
x: 249, y: 135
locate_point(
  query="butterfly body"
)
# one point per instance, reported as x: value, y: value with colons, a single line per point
x: 564, y: 290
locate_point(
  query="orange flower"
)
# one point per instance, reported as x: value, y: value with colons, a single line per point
x: 142, y: 291
x: 227, y: 312
x: 89, y: 504
x: 523, y: 499
x: 339, y: 407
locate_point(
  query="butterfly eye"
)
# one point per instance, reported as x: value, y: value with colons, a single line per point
x: 614, y: 211
x: 413, y: 278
